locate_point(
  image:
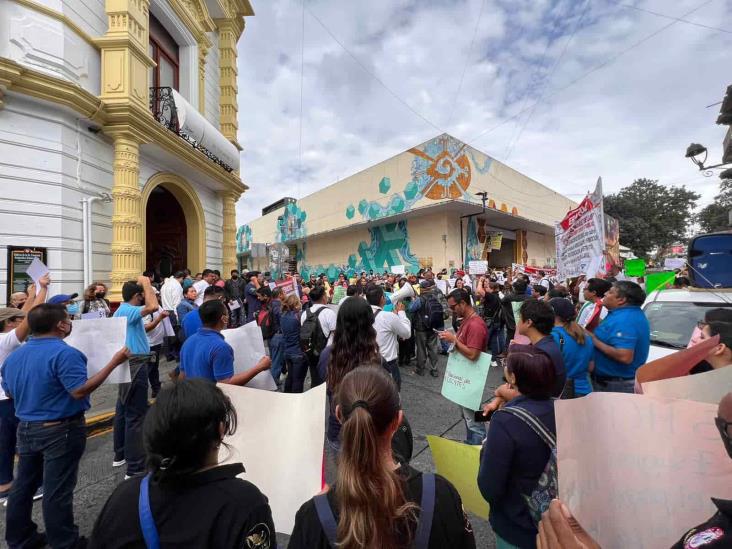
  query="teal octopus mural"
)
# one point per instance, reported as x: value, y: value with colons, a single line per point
x: 243, y: 239
x: 389, y: 246
x: 291, y: 224
x: 442, y: 168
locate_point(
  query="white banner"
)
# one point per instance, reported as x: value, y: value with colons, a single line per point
x: 248, y: 348
x: 477, y: 267
x: 99, y: 339
x: 580, y: 236
x: 279, y: 439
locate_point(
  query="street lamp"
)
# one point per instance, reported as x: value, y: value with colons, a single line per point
x: 696, y: 150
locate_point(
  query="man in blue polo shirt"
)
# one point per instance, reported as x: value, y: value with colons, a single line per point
x: 140, y: 301
x: 622, y: 340
x: 206, y: 354
x: 48, y: 381
x: 192, y: 322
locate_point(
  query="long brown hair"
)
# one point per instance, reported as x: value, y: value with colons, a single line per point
x: 354, y: 340
x: 90, y: 294
x: 373, y: 511
x: 291, y: 303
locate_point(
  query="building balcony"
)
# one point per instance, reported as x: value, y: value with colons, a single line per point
x: 175, y: 113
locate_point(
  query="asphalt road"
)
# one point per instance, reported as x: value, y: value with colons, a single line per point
x: 429, y: 414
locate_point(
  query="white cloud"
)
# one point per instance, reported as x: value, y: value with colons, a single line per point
x: 632, y: 118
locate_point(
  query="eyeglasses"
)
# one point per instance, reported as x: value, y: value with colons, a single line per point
x: 723, y: 427
x: 701, y: 324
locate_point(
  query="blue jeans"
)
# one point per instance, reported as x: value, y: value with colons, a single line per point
x: 128, y: 418
x: 393, y: 368
x: 475, y: 432
x: 297, y: 369
x: 49, y: 456
x: 614, y: 386
x: 496, y: 340
x: 8, y: 430
x: 277, y: 354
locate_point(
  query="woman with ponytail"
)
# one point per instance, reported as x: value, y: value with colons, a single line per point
x: 376, y: 503
x: 187, y: 499
x: 576, y: 348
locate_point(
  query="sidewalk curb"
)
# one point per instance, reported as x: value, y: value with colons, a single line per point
x: 99, y: 424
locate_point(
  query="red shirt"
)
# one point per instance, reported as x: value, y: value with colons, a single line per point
x: 473, y: 333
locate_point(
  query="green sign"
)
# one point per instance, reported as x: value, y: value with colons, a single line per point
x: 19, y: 259
x: 635, y: 267
x: 659, y: 281
x: 465, y: 379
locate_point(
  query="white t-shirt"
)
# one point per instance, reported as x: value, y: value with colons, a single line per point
x: 8, y: 343
x: 327, y: 320
x: 157, y: 334
x: 200, y: 287
x: 388, y: 327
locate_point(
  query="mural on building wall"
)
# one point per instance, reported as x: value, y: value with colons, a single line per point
x: 243, y: 239
x: 442, y: 168
x: 389, y: 246
x: 291, y: 224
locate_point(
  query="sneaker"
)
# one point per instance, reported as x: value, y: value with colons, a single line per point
x: 38, y: 495
x: 119, y: 462
x: 433, y: 373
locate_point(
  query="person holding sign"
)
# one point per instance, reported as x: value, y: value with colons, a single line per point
x: 623, y: 339
x: 14, y: 330
x: 469, y: 341
x: 379, y: 502
x: 207, y: 355
x: 48, y: 381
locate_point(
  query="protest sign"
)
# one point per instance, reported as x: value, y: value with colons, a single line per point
x: 339, y: 292
x: 465, y: 379
x: 36, y: 270
x: 635, y: 267
x: 477, y: 267
x: 676, y: 364
x: 168, y: 327
x: 288, y: 287
x: 459, y: 464
x: 267, y: 444
x: 272, y: 285
x: 99, y: 339
x: 496, y: 241
x: 442, y: 285
x: 99, y: 313
x: 671, y: 263
x: 451, y: 282
x: 705, y: 387
x: 639, y: 471
x: 580, y: 236
x: 397, y: 269
x: 659, y: 281
x: 594, y: 267
x: 248, y: 348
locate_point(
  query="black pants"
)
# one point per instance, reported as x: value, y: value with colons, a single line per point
x: 406, y: 350
x: 315, y: 379
x: 153, y: 369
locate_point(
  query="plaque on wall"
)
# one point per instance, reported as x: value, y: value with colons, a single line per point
x: 19, y: 258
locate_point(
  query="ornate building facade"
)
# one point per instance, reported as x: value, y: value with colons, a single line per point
x: 118, y: 136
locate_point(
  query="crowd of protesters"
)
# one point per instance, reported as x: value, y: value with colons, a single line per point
x: 355, y: 335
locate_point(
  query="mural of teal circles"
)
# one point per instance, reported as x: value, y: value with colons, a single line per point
x: 352, y: 261
x: 332, y: 272
x: 397, y: 204
x: 350, y: 211
x: 374, y: 210
x: 384, y: 185
x: 411, y: 190
x: 363, y: 205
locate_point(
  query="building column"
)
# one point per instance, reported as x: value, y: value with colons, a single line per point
x: 229, y: 33
x: 127, y: 215
x: 228, y: 245
x: 522, y: 255
x: 202, y: 52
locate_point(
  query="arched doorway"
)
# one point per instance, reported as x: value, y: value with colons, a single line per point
x: 174, y: 231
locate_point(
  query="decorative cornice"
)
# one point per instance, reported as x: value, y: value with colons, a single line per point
x: 194, y: 15
x: 45, y: 10
x: 132, y: 121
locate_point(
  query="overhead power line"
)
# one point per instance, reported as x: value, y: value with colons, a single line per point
x: 666, y: 16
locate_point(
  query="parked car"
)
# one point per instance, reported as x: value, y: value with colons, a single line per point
x: 673, y: 314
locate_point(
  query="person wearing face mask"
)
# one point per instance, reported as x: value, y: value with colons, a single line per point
x: 140, y: 301
x: 17, y: 300
x: 48, y: 381
x: 94, y: 300
x: 67, y: 300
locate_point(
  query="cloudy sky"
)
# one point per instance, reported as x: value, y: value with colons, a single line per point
x: 561, y: 90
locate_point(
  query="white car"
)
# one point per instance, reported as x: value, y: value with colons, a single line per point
x: 673, y: 315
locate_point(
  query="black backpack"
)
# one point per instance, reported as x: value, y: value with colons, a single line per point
x: 432, y: 313
x: 551, y: 284
x: 312, y: 338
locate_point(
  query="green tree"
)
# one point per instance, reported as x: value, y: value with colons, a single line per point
x: 715, y: 216
x: 651, y: 215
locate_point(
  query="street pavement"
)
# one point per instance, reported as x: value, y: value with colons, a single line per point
x: 429, y: 414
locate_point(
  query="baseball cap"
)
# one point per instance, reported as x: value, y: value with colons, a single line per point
x: 62, y: 298
x: 7, y: 313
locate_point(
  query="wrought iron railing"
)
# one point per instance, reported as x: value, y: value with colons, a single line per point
x: 162, y: 106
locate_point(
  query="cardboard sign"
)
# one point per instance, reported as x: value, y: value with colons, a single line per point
x: 459, y: 463
x: 99, y: 339
x: 639, y: 471
x: 464, y: 380
x: 635, y: 267
x: 477, y: 267
x: 272, y: 428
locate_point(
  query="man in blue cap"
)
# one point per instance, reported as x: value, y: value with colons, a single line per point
x: 67, y: 300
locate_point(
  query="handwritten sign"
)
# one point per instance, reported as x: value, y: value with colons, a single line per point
x: 459, y: 463
x: 99, y: 339
x: 638, y: 471
x: 339, y: 292
x: 397, y: 269
x: 298, y: 423
x: 477, y: 267
x: 465, y: 380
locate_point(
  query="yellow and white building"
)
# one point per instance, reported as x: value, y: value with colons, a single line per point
x: 118, y: 135
x: 421, y: 208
